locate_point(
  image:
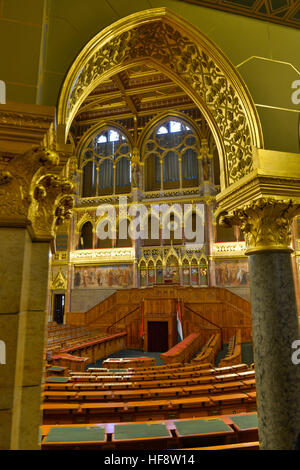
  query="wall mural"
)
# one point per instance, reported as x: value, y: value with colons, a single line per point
x: 232, y: 273
x: 120, y: 276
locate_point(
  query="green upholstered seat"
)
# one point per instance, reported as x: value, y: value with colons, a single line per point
x: 76, y: 434
x: 201, y: 426
x: 140, y: 430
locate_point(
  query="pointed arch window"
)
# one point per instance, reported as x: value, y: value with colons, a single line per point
x: 105, y: 161
x: 170, y: 152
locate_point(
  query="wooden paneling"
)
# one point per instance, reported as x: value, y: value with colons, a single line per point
x: 206, y: 311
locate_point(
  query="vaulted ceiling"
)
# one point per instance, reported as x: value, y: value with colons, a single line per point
x: 132, y: 98
x: 285, y: 12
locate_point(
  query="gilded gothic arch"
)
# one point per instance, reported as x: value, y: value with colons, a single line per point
x: 169, y: 43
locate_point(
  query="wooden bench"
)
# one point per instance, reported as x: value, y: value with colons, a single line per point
x: 183, y: 351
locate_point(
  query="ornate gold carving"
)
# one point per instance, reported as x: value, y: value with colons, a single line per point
x: 59, y: 282
x: 51, y: 205
x: 109, y: 255
x: 228, y: 249
x: 266, y: 224
x: 24, y: 120
x: 5, y: 177
x: 136, y: 169
x: 160, y: 255
x: 194, y: 60
x: 16, y: 183
x: 164, y: 44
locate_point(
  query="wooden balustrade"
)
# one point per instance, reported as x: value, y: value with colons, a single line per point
x: 234, y: 355
x: 209, y: 351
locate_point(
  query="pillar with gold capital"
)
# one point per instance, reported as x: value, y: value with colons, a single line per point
x: 34, y: 201
x: 266, y: 224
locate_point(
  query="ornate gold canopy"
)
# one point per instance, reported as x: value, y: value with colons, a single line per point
x: 167, y: 42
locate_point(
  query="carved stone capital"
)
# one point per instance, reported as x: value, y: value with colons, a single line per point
x: 266, y: 223
x: 16, y: 180
x: 51, y: 205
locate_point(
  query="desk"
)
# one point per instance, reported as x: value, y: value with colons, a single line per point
x: 226, y: 386
x: 128, y: 362
x: 246, y: 425
x: 57, y: 379
x: 59, y: 413
x: 199, y: 389
x: 141, y: 436
x: 72, y: 437
x: 204, y: 431
x: 230, y: 403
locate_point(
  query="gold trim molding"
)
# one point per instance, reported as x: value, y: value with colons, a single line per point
x: 100, y: 256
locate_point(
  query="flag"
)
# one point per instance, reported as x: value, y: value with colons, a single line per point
x: 142, y: 323
x: 179, y: 322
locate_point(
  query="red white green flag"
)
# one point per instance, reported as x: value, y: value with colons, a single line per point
x: 179, y: 323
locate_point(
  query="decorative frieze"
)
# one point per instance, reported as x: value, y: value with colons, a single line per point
x: 111, y: 255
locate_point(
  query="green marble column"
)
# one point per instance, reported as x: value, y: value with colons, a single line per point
x: 274, y: 328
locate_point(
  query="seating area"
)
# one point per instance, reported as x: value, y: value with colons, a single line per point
x: 75, y: 347
x: 191, y: 406
x: 105, y: 395
x: 62, y: 336
x: 129, y: 403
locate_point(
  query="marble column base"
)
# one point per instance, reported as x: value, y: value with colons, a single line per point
x: 274, y: 329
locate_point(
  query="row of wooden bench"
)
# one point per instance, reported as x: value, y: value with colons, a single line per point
x: 110, y: 398
x: 113, y: 382
x: 198, y: 368
x: 137, y: 410
x: 79, y: 393
x: 222, y: 432
x: 205, y: 376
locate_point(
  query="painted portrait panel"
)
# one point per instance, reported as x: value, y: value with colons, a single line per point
x: 120, y: 276
x: 232, y: 273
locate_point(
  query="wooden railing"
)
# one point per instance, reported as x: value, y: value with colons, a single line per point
x: 113, y: 325
x: 209, y: 351
x: 234, y: 355
x: 206, y: 320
